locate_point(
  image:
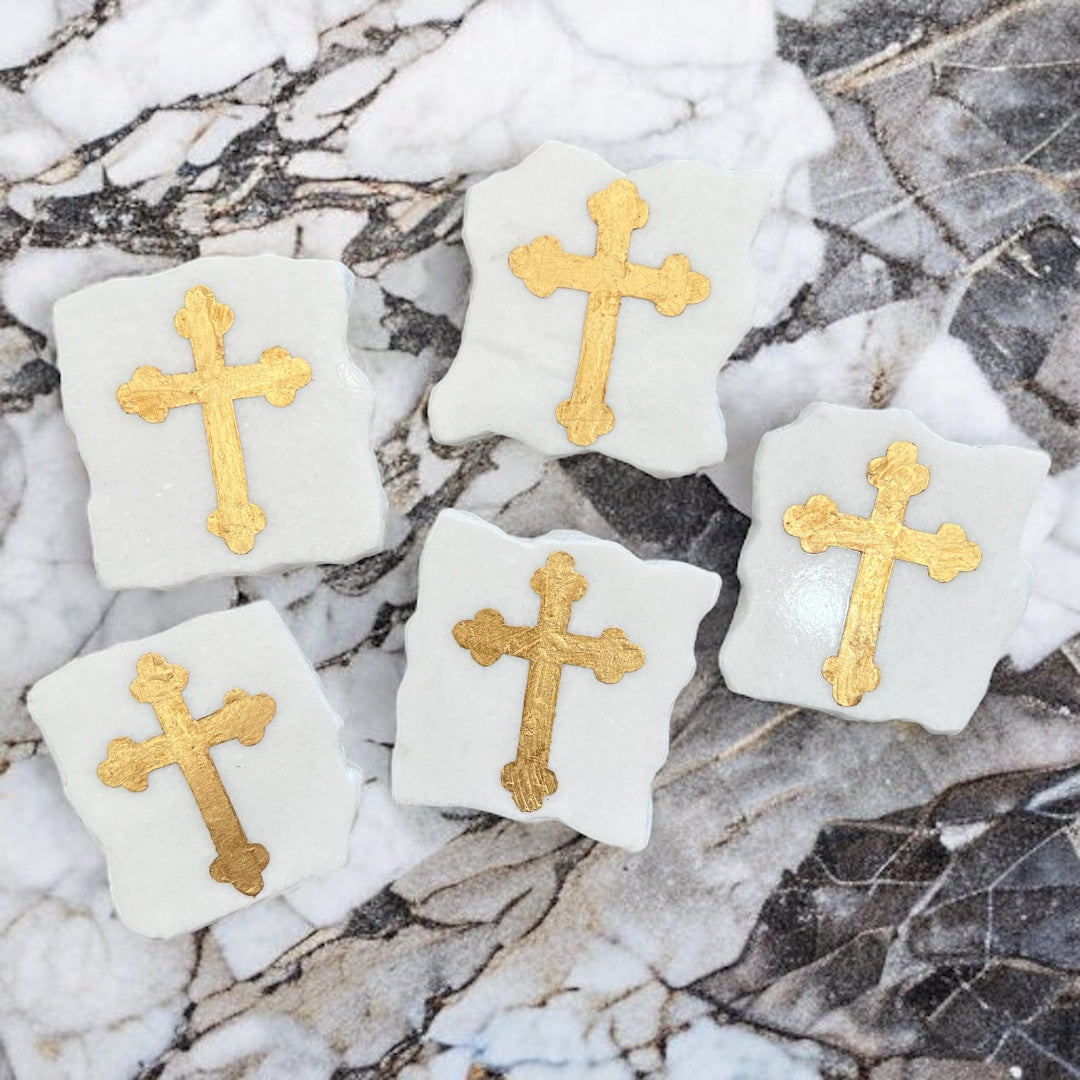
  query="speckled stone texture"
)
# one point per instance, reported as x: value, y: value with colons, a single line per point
x: 794, y: 915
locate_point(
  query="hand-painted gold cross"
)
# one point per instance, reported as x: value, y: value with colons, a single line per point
x: 215, y: 386
x: 186, y: 742
x: 547, y: 646
x: 882, y: 538
x: 607, y: 277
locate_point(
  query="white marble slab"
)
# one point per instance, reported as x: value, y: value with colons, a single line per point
x: 519, y: 350
x: 939, y: 639
x: 459, y: 711
x: 288, y: 781
x: 310, y: 469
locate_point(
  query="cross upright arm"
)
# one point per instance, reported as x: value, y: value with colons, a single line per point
x: 204, y: 321
x: 617, y: 210
x: 128, y: 764
x: 559, y: 587
x: 610, y: 656
x: 151, y: 394
x: 487, y: 636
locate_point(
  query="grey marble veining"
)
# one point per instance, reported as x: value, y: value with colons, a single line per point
x: 819, y: 899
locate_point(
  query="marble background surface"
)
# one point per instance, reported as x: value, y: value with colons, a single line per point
x: 820, y: 898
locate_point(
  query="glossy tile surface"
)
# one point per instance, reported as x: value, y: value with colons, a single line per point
x: 934, y: 642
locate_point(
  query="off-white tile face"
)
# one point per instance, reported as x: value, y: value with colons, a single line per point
x: 293, y: 791
x: 938, y: 641
x: 519, y: 352
x: 309, y: 465
x: 458, y: 721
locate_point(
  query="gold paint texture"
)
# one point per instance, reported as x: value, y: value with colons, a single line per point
x: 186, y: 742
x: 882, y: 538
x: 215, y: 386
x: 547, y: 646
x: 607, y: 276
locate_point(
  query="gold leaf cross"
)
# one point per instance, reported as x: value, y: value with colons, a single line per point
x: 547, y: 646
x: 607, y: 276
x: 186, y: 742
x: 882, y: 538
x: 215, y: 386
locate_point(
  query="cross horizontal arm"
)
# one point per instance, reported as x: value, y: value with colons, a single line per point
x: 487, y: 637
x: 151, y: 393
x: 945, y: 554
x: 242, y: 717
x: 818, y: 524
x: 276, y: 376
x: 129, y: 764
x: 670, y: 288
x: 544, y: 267
x: 611, y: 655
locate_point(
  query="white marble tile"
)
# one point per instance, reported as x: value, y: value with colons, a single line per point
x: 518, y: 371
x: 277, y: 798
x: 291, y: 479
x: 806, y: 630
x: 900, y: 355
x: 460, y: 706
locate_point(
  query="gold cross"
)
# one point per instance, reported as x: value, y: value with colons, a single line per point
x: 215, y: 386
x: 882, y: 538
x: 547, y: 646
x: 186, y: 742
x: 607, y: 277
